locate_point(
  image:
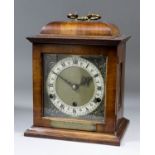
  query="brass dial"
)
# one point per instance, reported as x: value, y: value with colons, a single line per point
x: 75, y: 86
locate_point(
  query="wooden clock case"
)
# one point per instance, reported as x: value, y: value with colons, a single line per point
x: 82, y: 38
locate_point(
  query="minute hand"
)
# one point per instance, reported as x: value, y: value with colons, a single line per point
x: 65, y: 80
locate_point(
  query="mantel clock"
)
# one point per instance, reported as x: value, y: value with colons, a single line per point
x: 78, y: 81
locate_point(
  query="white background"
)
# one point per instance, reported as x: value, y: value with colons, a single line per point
x: 7, y: 97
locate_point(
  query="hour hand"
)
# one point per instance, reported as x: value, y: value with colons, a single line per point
x: 85, y: 81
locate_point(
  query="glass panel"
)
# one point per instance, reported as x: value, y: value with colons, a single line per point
x: 74, y: 86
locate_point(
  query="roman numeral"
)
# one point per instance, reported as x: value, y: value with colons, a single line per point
x: 74, y: 111
x: 87, y: 109
x: 87, y: 65
x: 99, y: 88
x: 96, y: 75
x: 62, y: 106
x: 75, y: 61
x: 63, y: 64
x: 50, y: 85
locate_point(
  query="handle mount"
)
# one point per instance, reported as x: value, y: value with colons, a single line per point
x: 89, y: 17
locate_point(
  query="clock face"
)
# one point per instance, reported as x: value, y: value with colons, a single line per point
x: 75, y: 86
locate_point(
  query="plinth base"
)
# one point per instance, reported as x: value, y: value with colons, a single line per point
x: 92, y: 137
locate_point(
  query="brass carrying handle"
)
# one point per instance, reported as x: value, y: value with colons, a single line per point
x: 89, y: 17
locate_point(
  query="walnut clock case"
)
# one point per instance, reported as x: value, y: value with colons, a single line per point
x: 78, y: 81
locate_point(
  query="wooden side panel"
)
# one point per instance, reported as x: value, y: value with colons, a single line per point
x: 37, y: 87
x: 110, y: 92
x: 120, y: 81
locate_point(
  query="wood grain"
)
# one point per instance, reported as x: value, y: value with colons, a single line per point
x: 110, y: 85
x: 78, y: 40
x: 91, y: 137
x: 74, y: 28
x: 109, y: 132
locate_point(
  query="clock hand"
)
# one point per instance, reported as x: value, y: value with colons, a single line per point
x: 74, y: 86
x: 65, y: 80
x: 85, y: 81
